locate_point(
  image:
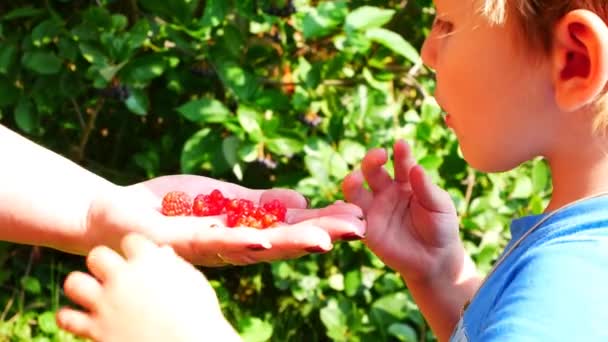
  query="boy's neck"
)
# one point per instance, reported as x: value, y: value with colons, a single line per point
x: 579, y: 172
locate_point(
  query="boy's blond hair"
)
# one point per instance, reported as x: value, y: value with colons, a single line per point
x: 536, y: 19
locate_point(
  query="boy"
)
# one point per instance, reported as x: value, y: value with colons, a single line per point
x: 518, y: 80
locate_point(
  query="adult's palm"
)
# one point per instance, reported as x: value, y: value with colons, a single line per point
x: 206, y: 240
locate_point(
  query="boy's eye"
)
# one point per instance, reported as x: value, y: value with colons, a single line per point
x: 443, y: 26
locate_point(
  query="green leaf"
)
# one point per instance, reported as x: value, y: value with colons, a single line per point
x: 26, y: 117
x: 108, y: 72
x: 31, y: 285
x: 325, y: 19
x: 142, y: 70
x: 215, y: 13
x: 93, y: 54
x: 23, y: 12
x: 540, y: 176
x: 119, y: 22
x: 367, y: 17
x: 336, y: 281
x: 522, y: 188
x: 241, y: 82
x: 9, y: 94
x: 205, y: 110
x: 138, y: 102
x: 255, y: 330
x: 42, y: 62
x: 272, y: 99
x: 431, y: 161
x: 98, y: 17
x: 394, y: 42
x: 352, y: 151
x: 403, y: 332
x: 334, y: 318
x: 285, y: 146
x: 248, y: 118
x: 204, y: 152
x: 394, y: 304
x: 45, y: 32
x: 176, y: 10
x: 430, y: 110
x: 47, y: 323
x: 230, y: 148
x: 8, y: 52
x: 352, y: 282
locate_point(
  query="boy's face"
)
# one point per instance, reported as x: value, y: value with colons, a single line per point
x: 497, y: 97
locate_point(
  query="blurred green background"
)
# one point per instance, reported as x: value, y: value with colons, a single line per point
x: 263, y: 93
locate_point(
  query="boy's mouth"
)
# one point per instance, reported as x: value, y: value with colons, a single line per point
x: 446, y: 119
x: 446, y: 114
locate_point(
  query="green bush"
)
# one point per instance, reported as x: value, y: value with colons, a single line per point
x: 249, y: 92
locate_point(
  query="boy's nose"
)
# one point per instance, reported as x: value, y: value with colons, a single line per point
x: 429, y: 52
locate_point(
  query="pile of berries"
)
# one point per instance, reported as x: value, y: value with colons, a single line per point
x: 239, y: 212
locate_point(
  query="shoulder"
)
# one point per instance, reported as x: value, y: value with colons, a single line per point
x: 555, y: 291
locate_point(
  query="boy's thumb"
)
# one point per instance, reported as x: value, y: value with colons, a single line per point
x: 429, y: 195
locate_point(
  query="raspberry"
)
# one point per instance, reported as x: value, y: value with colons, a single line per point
x: 204, y: 205
x: 239, y: 211
x: 269, y: 220
x: 232, y: 219
x: 176, y: 203
x: 276, y: 208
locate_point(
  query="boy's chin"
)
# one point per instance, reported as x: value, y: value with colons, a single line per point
x: 490, y: 164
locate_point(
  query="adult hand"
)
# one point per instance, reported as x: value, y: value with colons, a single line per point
x: 207, y: 241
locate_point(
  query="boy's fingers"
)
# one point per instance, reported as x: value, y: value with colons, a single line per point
x: 83, y: 290
x: 430, y: 196
x: 134, y: 245
x: 373, y: 170
x: 76, y: 322
x: 354, y: 192
x: 103, y: 262
x: 403, y: 161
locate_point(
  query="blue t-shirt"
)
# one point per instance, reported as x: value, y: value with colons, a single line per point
x: 552, y: 287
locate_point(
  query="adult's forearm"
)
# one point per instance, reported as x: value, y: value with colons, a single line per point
x: 441, y: 297
x: 44, y: 197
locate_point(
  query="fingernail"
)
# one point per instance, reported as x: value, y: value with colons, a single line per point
x: 257, y: 247
x: 352, y: 237
x: 316, y: 249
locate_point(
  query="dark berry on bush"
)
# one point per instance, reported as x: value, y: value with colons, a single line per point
x: 118, y: 92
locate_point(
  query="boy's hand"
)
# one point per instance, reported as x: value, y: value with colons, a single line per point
x: 412, y: 224
x: 206, y: 240
x: 150, y: 294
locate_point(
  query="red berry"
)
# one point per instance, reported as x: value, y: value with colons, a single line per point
x: 250, y: 221
x: 268, y: 220
x: 176, y: 203
x: 217, y: 197
x: 204, y: 205
x: 232, y: 219
x: 276, y: 208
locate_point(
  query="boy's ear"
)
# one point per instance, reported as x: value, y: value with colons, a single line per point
x: 580, y: 59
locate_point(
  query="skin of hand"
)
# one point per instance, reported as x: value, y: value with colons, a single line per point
x: 48, y: 200
x: 206, y: 240
x: 151, y: 294
x: 412, y: 225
